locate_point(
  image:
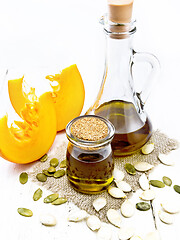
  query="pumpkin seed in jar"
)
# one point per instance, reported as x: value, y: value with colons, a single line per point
x: 51, y: 170
x: 50, y: 198
x: 63, y: 164
x: 157, y: 183
x: 143, y: 206
x: 59, y: 201
x: 25, y: 212
x: 23, y: 178
x: 44, y: 158
x: 37, y: 194
x: 59, y: 173
x: 130, y: 169
x: 54, y: 162
x: 177, y: 188
x: 167, y: 181
x: 41, y: 177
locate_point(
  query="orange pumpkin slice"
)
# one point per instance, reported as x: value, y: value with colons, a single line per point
x: 28, y: 140
x: 68, y: 95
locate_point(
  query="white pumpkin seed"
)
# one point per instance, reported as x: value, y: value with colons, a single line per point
x: 135, y: 238
x: 93, y: 223
x: 99, y: 203
x: 125, y: 233
x: 127, y: 209
x: 118, y: 174
x: 170, y: 207
x: 77, y: 216
x: 166, y: 159
x: 116, y: 192
x: 104, y: 233
x: 147, y: 195
x: 148, y: 148
x: 144, y: 182
x: 48, y: 220
x: 124, y: 186
x: 152, y: 236
x: 114, y: 217
x: 165, y: 217
x: 142, y: 166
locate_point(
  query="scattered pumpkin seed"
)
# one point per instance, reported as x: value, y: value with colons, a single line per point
x: 63, y: 164
x: 54, y: 162
x: 116, y: 192
x: 166, y: 159
x: 59, y: 201
x: 45, y: 171
x: 143, y: 166
x: 118, y: 174
x: 124, y: 186
x: 125, y: 233
x: 171, y: 207
x: 50, y: 198
x: 77, y: 216
x: 144, y: 182
x: 48, y: 220
x: 143, y: 206
x: 114, y: 217
x: 167, y: 181
x: 23, y: 178
x: 41, y: 177
x: 37, y: 194
x: 130, y: 169
x: 93, y: 223
x: 25, y: 212
x: 127, y: 209
x: 51, y: 170
x: 165, y: 217
x: 177, y: 188
x: 104, y: 233
x: 99, y: 203
x: 148, y: 148
x: 44, y: 158
x: 147, y: 195
x: 157, y: 183
x: 152, y: 236
x: 59, y: 173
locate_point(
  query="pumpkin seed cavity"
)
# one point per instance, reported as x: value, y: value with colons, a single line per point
x: 130, y: 169
x: 157, y: 183
x: 54, y: 162
x: 25, y: 212
x: 59, y: 173
x: 44, y: 158
x: 143, y: 206
x: 63, y: 164
x: 167, y: 181
x: 23, y: 178
x: 50, y: 198
x: 37, y: 194
x: 177, y: 188
x: 41, y: 177
x: 59, y: 201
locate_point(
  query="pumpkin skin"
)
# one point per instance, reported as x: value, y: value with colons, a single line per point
x: 68, y: 95
x: 32, y: 137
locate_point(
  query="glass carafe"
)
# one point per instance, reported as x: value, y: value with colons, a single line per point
x: 117, y: 99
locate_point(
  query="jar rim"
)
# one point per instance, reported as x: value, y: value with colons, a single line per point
x: 87, y: 143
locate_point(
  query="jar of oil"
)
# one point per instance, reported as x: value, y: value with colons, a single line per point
x: 89, y: 154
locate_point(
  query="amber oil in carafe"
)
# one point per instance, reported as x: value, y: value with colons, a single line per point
x: 89, y: 154
x: 131, y: 133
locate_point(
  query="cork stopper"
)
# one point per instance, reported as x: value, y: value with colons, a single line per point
x: 120, y: 11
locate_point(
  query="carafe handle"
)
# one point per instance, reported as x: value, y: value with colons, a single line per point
x: 152, y: 77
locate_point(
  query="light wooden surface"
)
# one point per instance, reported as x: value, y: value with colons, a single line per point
x: 59, y: 33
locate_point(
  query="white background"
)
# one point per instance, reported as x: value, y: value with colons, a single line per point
x: 60, y: 33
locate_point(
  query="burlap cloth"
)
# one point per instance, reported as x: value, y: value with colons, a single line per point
x: 163, y: 144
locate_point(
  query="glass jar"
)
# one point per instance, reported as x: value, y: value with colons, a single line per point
x: 90, y: 163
